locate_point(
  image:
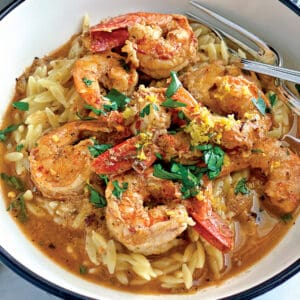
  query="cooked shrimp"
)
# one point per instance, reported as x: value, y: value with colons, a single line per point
x: 227, y: 94
x: 281, y: 167
x: 160, y: 43
x: 208, y: 223
x: 60, y: 163
x: 107, y: 69
x: 147, y: 230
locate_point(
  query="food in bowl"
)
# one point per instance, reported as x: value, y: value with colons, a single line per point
x: 140, y: 156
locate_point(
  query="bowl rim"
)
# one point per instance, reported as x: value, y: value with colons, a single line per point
x: 61, y: 292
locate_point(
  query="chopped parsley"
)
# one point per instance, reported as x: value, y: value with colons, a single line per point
x: 183, y: 117
x: 158, y: 155
x: 84, y: 118
x: 118, y: 100
x: 286, y: 218
x: 7, y: 130
x: 95, y: 198
x: 272, y: 98
x: 98, y: 149
x: 297, y: 86
x: 260, y: 104
x: 190, y: 177
x: 175, y: 84
x: 118, y: 190
x: 145, y: 111
x: 241, y: 187
x: 13, y: 182
x: 24, y: 106
x: 82, y: 269
x: 213, y: 156
x: 170, y: 103
x: 96, y: 111
x: 257, y: 151
x: 87, y: 81
x: 19, y: 147
x: 124, y: 65
x: 18, y: 206
x: 104, y: 178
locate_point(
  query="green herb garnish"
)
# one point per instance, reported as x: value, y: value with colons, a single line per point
x: 24, y: 106
x: 145, y: 111
x: 7, y: 130
x: 190, y: 177
x: 18, y: 206
x: 272, y: 98
x: 87, y: 81
x: 260, y: 105
x: 14, y: 182
x: 98, y: 149
x: 19, y: 147
x: 118, y: 190
x: 84, y: 118
x: 117, y: 99
x: 158, y: 155
x: 82, y: 269
x: 95, y: 198
x: 241, y: 187
x: 96, y: 111
x: 286, y: 218
x: 213, y: 156
x: 170, y: 103
x: 183, y: 117
x: 104, y: 178
x: 257, y: 151
x: 124, y: 65
x: 175, y: 84
x: 297, y: 86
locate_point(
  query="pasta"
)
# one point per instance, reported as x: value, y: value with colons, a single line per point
x: 125, y: 220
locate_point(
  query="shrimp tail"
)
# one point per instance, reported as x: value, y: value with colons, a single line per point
x: 210, y: 225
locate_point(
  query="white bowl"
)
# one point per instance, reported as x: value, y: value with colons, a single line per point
x: 33, y: 28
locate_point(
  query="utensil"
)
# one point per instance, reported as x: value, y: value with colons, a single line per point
x: 256, y: 48
x: 261, y: 51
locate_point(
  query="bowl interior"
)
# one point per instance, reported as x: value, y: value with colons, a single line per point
x: 35, y: 28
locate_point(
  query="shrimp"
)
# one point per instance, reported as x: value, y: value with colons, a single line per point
x: 281, y: 167
x: 160, y: 43
x: 208, y: 223
x: 227, y: 94
x: 60, y: 163
x: 142, y: 229
x: 106, y: 68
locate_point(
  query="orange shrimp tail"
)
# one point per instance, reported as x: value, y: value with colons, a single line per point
x: 210, y: 225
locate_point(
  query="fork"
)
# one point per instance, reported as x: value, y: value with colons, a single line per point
x: 262, y: 52
x: 258, y: 49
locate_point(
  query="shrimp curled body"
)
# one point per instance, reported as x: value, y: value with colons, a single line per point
x: 147, y: 230
x: 60, y: 164
x: 107, y: 69
x: 159, y: 42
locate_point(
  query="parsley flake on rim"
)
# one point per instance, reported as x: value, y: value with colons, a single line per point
x: 286, y: 218
x: 118, y: 190
x: 272, y: 98
x: 24, y: 106
x: 241, y: 187
x: 95, y: 198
